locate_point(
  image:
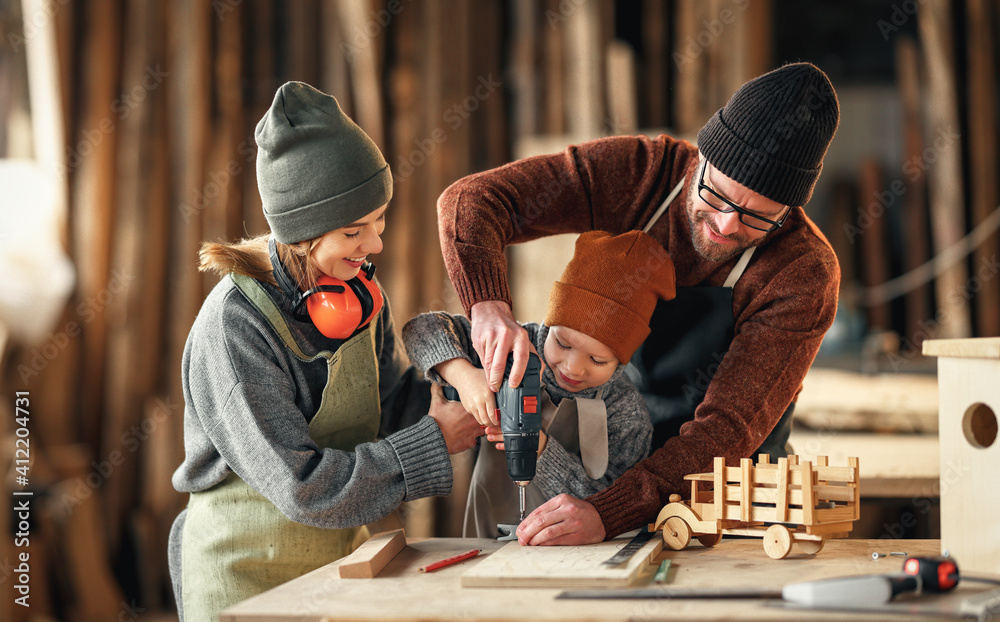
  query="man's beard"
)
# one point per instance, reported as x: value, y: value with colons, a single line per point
x: 707, y: 248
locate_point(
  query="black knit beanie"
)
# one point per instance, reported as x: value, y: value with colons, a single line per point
x: 772, y: 135
x: 316, y: 169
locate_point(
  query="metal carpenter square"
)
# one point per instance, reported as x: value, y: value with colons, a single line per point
x: 629, y: 549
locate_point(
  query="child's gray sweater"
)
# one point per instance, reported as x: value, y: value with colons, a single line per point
x: 433, y: 338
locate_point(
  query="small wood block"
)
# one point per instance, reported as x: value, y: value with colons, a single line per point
x: 371, y: 557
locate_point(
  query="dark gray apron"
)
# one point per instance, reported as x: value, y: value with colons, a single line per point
x: 689, y: 336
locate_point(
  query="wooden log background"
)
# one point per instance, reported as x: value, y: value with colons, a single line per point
x: 160, y: 100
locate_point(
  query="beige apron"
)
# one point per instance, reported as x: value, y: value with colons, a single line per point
x: 236, y: 543
x: 581, y: 427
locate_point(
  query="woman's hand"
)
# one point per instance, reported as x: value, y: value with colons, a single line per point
x: 460, y: 429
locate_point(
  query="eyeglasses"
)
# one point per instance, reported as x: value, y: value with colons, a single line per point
x: 724, y: 205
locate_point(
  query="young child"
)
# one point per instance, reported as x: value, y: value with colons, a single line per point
x: 595, y: 424
x: 292, y: 372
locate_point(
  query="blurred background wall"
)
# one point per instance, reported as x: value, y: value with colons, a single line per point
x: 126, y: 139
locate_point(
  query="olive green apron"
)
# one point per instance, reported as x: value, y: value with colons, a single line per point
x: 236, y: 543
x: 581, y: 427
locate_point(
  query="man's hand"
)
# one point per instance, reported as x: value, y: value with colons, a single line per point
x: 562, y: 520
x: 494, y: 335
x: 460, y: 429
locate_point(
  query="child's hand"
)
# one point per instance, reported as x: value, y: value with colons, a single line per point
x: 460, y: 430
x: 473, y: 389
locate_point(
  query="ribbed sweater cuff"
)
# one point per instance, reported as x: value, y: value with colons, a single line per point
x: 431, y: 354
x: 616, y: 506
x: 424, y: 457
x: 484, y: 279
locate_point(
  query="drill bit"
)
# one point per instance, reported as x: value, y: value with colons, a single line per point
x: 520, y: 498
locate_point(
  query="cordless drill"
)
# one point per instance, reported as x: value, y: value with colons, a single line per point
x: 520, y: 415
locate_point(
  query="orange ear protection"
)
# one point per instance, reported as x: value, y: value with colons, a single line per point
x: 337, y: 308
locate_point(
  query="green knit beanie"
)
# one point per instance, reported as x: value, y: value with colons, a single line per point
x: 316, y: 169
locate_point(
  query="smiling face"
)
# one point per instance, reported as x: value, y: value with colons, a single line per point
x: 578, y: 361
x: 341, y: 253
x: 719, y: 236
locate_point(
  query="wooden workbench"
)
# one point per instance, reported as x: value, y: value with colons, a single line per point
x: 402, y: 593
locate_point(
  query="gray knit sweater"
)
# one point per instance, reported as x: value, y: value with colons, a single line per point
x: 433, y: 338
x: 248, y: 403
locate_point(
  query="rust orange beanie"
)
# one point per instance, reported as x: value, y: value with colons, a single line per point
x: 610, y: 288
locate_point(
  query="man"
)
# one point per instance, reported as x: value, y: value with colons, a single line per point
x: 756, y: 281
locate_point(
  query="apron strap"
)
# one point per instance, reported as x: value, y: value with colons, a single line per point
x: 663, y: 206
x: 593, y: 414
x: 737, y: 271
x: 580, y: 425
x: 256, y: 295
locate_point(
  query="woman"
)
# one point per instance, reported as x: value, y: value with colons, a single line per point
x: 292, y: 369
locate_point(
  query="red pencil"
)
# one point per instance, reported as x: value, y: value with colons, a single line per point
x: 450, y: 561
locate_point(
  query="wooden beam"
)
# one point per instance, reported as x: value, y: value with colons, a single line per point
x: 983, y: 157
x: 585, y: 109
x: 945, y: 173
x: 371, y: 557
x: 915, y: 223
x: 364, y: 65
x: 874, y: 243
x: 92, y: 170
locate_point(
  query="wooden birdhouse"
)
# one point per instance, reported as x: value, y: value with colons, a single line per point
x: 968, y: 405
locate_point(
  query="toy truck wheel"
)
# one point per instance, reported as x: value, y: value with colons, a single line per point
x: 810, y: 547
x: 709, y: 539
x: 777, y: 541
x: 676, y: 533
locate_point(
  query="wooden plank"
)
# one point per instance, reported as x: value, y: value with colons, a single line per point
x: 363, y: 64
x: 561, y: 566
x: 970, y: 460
x: 719, y: 485
x: 371, y: 557
x: 524, y: 79
x: 85, y: 549
x: 915, y: 226
x: 935, y: 24
x: 689, y: 63
x: 555, y: 95
x: 92, y: 170
x: 781, y: 502
x: 622, y: 96
x: 136, y: 312
x: 874, y: 262
x: 854, y: 463
x: 977, y: 348
x: 657, y: 70
x: 843, y: 401
x: 832, y: 515
x: 808, y: 500
x: 902, y: 466
x: 763, y: 514
x: 585, y: 110
x: 984, y: 160
x: 792, y: 496
x: 746, y: 487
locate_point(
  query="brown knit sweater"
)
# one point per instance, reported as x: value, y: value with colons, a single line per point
x: 783, y: 304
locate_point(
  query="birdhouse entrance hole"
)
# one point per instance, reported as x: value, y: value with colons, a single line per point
x: 980, y: 425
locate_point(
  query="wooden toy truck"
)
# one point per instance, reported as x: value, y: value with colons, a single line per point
x: 782, y: 503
